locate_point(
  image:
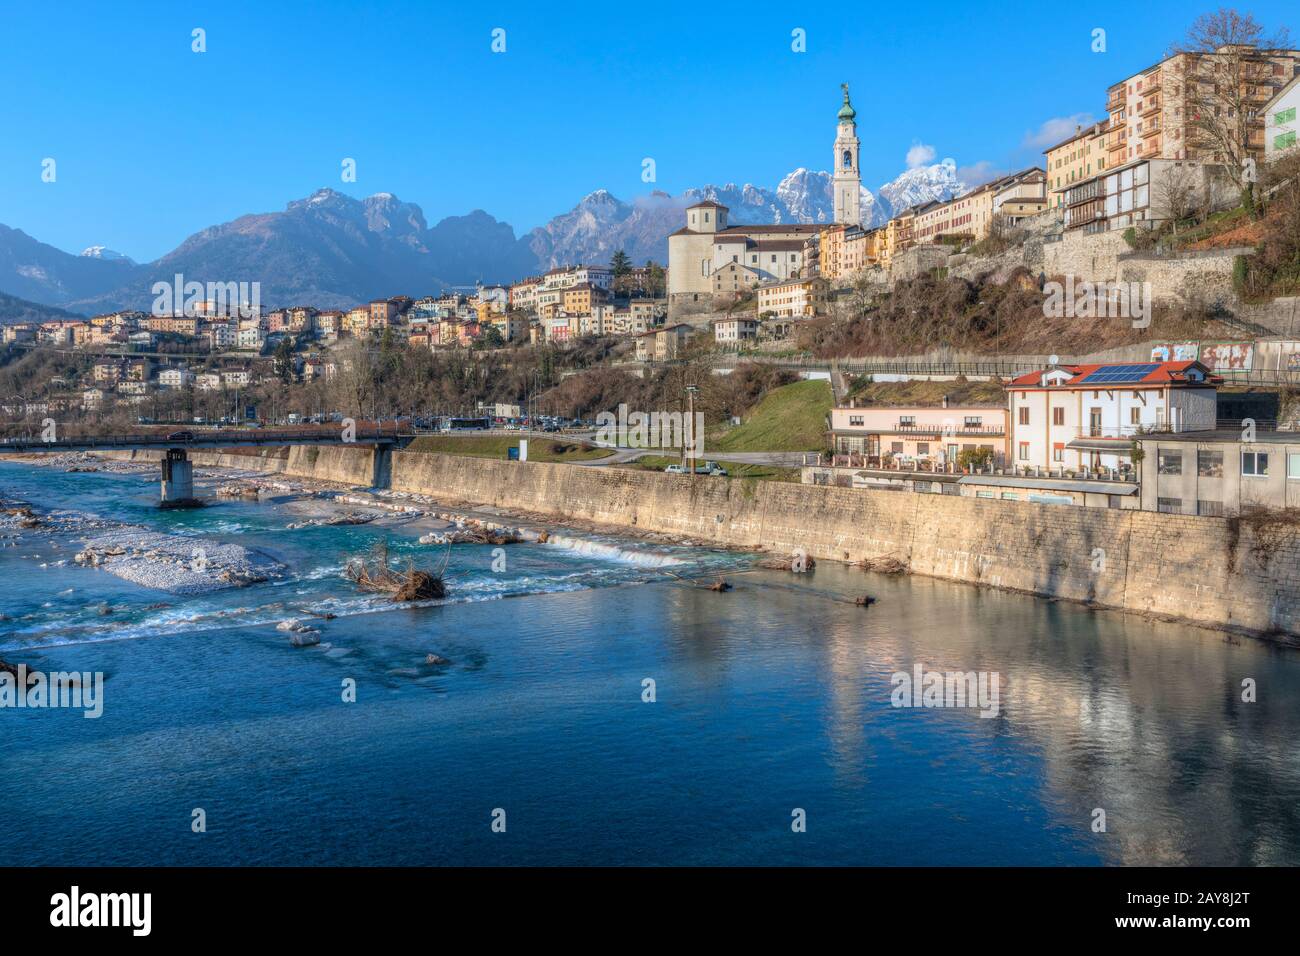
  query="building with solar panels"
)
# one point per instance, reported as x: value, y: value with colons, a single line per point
x: 1076, y: 419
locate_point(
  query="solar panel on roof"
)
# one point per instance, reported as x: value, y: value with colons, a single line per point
x: 1120, y: 373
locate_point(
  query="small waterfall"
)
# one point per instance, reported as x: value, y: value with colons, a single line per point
x: 612, y: 552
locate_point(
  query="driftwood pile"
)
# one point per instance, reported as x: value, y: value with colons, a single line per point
x: 376, y: 573
x: 883, y: 565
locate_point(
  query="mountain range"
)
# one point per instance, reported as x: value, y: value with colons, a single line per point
x: 334, y: 251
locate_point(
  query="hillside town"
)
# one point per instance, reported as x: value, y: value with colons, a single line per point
x: 1150, y: 163
x: 1086, y: 215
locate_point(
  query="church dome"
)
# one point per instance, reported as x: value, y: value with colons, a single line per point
x: 847, y: 112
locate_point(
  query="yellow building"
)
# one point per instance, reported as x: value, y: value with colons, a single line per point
x: 579, y: 299
x: 357, y: 321
x: 1077, y: 158
x: 899, y: 235
x: 513, y: 326
x: 180, y: 324
x: 794, y: 298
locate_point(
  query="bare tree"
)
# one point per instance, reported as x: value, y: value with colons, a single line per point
x: 1226, y: 81
x: 1178, y: 190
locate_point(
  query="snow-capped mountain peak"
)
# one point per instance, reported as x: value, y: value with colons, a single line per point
x: 103, y: 252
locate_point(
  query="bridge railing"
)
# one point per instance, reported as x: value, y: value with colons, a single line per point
x: 203, y: 438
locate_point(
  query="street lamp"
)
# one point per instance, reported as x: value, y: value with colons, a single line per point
x: 690, y: 427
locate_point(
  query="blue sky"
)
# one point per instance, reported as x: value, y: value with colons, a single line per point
x: 153, y: 141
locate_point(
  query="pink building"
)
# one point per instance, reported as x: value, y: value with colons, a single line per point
x: 925, y: 438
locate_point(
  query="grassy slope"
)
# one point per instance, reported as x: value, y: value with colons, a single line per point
x: 790, y: 418
x: 497, y: 446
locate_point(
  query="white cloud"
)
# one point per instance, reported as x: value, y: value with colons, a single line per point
x: 1055, y: 130
x: 920, y: 155
x: 977, y: 174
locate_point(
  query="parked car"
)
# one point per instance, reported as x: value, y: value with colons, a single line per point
x: 675, y: 470
x: 181, y: 436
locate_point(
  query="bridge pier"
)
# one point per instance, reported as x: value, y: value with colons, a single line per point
x: 178, y: 481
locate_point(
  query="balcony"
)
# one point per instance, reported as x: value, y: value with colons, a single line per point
x: 1087, y: 192
x: 924, y: 430
x: 947, y: 428
x: 1150, y: 106
x: 1150, y: 129
x: 1151, y: 83
x: 1115, y: 98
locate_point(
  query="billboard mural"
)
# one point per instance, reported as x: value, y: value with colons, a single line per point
x: 1175, y: 352
x: 1228, y: 356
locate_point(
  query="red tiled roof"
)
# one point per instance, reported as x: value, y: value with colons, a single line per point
x: 1144, y: 373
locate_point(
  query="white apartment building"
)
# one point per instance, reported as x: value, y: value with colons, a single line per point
x: 1280, y: 125
x: 222, y: 334
x: 236, y: 378
x: 733, y: 331
x: 1070, y: 417
x: 567, y: 276
x: 175, y: 377
x: 252, y: 337
x: 207, y: 382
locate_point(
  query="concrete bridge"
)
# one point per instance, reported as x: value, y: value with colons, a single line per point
x: 177, y: 488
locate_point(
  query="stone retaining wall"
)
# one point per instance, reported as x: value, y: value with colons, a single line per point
x: 1207, y: 570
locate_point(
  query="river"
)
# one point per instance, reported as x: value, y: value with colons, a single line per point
x: 772, y: 736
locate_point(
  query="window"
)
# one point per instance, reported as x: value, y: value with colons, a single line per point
x: 896, y: 447
x: 1024, y: 451
x: 1284, y: 116
x: 1010, y: 496
x: 983, y: 494
x: 1024, y: 415
x: 906, y: 421
x: 1254, y: 464
x: 1293, y: 465
x: 1209, y: 464
x: 923, y: 448
x: 855, y: 419
x: 1210, y: 509
x: 1284, y: 140
x: 1058, y: 451
x: 1169, y: 506
x: 973, y: 421
x: 1135, y: 415
x: 1170, y: 462
x: 1058, y: 416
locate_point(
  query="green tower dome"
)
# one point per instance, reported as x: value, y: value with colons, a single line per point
x: 847, y: 112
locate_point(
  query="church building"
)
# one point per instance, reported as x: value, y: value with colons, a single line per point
x: 771, y: 253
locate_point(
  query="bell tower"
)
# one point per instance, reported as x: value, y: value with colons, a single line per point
x: 847, y: 178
